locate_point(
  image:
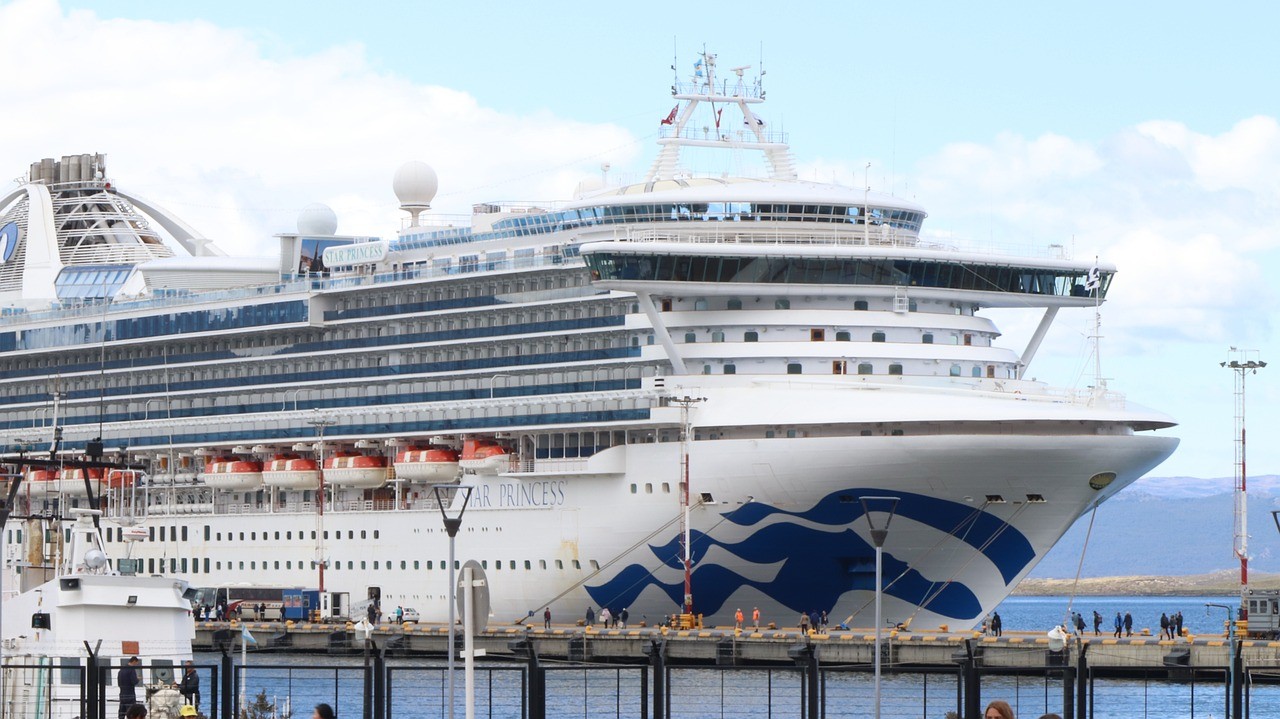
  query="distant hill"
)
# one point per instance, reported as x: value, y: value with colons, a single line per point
x: 1170, y: 526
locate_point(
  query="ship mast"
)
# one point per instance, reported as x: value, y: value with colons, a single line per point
x: 1242, y: 362
x: 703, y: 87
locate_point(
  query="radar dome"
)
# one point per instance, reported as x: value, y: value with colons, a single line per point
x: 95, y: 559
x: 317, y: 219
x: 415, y: 184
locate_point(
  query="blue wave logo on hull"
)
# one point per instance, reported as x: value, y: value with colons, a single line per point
x: 816, y: 567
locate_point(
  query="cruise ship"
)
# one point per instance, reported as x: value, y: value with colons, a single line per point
x: 687, y: 393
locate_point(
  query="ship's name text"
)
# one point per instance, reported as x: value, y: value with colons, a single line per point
x: 519, y: 494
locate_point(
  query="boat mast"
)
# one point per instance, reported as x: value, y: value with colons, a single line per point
x: 1242, y: 362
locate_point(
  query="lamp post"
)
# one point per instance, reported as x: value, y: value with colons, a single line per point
x: 877, y: 538
x: 1241, y: 365
x: 1231, y: 658
x: 320, y: 425
x: 447, y: 496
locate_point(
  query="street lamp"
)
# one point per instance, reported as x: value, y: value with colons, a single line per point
x: 877, y: 538
x: 1231, y: 658
x: 1242, y: 365
x: 447, y: 496
x: 320, y: 425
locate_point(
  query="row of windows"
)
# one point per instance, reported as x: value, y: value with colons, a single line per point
x: 606, y: 265
x: 869, y: 368
x: 538, y: 223
x: 181, y: 565
x: 819, y: 335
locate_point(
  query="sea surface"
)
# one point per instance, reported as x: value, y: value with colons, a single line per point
x: 418, y: 686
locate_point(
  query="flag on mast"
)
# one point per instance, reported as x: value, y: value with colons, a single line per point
x: 671, y: 116
x: 1094, y: 280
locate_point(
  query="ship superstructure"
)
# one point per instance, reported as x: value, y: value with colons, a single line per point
x: 802, y: 337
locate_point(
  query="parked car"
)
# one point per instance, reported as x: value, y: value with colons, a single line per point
x: 410, y: 615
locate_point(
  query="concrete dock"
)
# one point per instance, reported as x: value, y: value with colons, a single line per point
x: 1012, y: 652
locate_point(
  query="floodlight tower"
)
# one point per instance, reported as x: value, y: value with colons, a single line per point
x: 1242, y: 363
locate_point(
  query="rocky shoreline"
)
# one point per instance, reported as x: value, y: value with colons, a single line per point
x: 1225, y: 582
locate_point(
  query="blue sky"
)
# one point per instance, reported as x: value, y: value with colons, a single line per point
x: 1145, y: 134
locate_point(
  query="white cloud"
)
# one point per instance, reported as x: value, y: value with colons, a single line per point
x: 214, y: 125
x: 1186, y: 217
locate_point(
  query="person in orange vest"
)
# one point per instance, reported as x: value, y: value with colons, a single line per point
x: 755, y: 617
x: 737, y: 619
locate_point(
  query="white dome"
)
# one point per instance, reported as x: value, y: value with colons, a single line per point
x: 317, y: 219
x: 415, y: 184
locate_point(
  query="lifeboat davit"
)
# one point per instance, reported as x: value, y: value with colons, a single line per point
x: 351, y: 469
x: 41, y: 483
x: 484, y: 456
x: 232, y: 474
x: 121, y: 478
x: 73, y: 485
x: 289, y: 471
x: 438, y: 464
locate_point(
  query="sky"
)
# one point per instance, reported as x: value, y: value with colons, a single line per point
x: 1147, y: 136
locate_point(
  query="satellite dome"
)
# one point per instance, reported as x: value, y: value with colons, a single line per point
x: 317, y: 219
x: 415, y: 184
x: 95, y: 558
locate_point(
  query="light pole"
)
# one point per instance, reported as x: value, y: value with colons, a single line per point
x: 447, y: 496
x: 1231, y: 658
x: 320, y: 425
x: 877, y: 538
x: 1241, y: 364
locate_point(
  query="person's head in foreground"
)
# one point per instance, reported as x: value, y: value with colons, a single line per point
x: 998, y: 710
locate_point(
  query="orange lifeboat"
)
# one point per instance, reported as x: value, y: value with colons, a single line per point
x: 73, y: 485
x: 438, y: 464
x: 484, y: 456
x: 233, y: 474
x: 41, y: 483
x: 121, y: 478
x: 290, y: 471
x: 352, y: 469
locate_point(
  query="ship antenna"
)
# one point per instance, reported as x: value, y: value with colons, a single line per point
x: 1094, y: 285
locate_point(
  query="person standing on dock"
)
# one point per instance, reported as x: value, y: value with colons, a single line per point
x: 1164, y: 626
x: 189, y: 687
x: 623, y: 616
x: 127, y: 679
x: 737, y: 619
x: 591, y: 617
x: 1119, y: 625
x: 546, y: 618
x: 1097, y: 623
x: 1177, y: 621
x: 804, y: 623
x: 604, y: 617
x: 997, y: 627
x: 1128, y: 624
x: 1079, y: 624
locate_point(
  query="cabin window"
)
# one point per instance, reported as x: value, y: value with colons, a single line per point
x: 895, y: 369
x: 793, y: 368
x: 648, y: 488
x: 860, y: 304
x: 559, y: 564
x: 877, y: 337
x: 842, y: 336
x: 865, y: 368
x: 735, y: 304
x: 633, y: 488
x: 955, y: 370
x: 542, y: 564
x: 839, y: 367
x: 690, y: 337
x: 730, y: 369
x: 751, y: 336
x: 700, y: 304
x: 666, y: 305
x: 926, y: 338
x: 968, y: 340
x: 977, y: 371
x: 817, y: 335
x: 528, y: 565
x: 717, y: 336
x: 577, y: 564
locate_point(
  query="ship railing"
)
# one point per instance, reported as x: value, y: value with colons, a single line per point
x: 753, y: 234
x: 526, y: 466
x: 724, y: 134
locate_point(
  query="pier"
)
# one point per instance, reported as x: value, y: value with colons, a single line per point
x: 1013, y: 652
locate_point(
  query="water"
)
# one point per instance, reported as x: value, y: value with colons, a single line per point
x: 1042, y: 613
x: 418, y: 688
